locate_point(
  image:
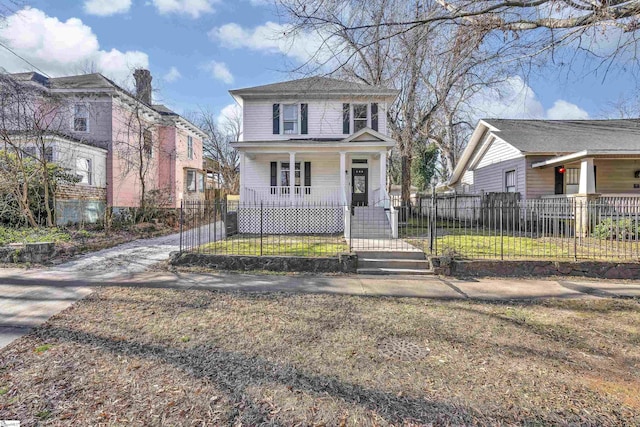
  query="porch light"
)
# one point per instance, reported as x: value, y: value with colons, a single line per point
x: 562, y: 169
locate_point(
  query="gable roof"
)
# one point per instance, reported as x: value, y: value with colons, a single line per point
x: 567, y: 136
x: 552, y: 137
x: 314, y: 86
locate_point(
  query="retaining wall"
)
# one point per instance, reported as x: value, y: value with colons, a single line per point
x: 595, y: 269
x: 345, y: 263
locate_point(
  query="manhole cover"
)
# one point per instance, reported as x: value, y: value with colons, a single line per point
x: 402, y: 350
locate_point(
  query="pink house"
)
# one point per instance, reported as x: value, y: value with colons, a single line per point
x: 150, y: 149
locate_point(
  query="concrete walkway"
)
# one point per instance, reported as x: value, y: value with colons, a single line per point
x: 30, y: 297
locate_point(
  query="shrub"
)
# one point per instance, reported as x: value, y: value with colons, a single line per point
x: 616, y: 229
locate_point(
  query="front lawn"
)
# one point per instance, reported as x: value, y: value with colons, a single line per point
x: 32, y: 235
x: 478, y: 244
x: 127, y: 356
x: 282, y: 245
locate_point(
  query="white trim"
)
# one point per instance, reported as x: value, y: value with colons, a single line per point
x: 555, y: 161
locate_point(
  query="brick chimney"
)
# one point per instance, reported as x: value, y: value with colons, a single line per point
x: 143, y: 85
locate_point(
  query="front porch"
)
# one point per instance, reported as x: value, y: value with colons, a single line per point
x: 336, y: 179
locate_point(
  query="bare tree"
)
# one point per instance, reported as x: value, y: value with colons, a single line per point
x: 438, y: 68
x: 29, y: 117
x: 217, y: 147
x: 136, y: 145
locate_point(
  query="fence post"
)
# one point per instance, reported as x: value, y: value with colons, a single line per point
x: 215, y: 220
x: 501, y: 230
x: 261, y: 219
x: 575, y: 231
x: 430, y: 218
x: 181, y: 222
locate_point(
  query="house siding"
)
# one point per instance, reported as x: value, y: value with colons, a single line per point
x: 540, y: 182
x: 499, y: 151
x: 616, y: 176
x: 491, y: 179
x: 324, y: 119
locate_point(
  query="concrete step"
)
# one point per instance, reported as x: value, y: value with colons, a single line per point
x: 410, y: 264
x: 391, y: 254
x: 395, y: 271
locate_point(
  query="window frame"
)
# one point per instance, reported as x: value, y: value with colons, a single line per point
x: 295, y: 121
x: 568, y: 184
x: 297, y: 176
x: 189, y: 147
x: 201, y: 183
x: 195, y: 179
x: 147, y: 143
x: 366, y: 118
x: 89, y: 171
x: 507, y: 174
x: 75, y: 117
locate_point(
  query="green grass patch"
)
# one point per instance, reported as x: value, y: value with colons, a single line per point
x: 43, y: 348
x: 32, y: 235
x: 278, y: 245
x: 3, y: 391
x: 489, y: 245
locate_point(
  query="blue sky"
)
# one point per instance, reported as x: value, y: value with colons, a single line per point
x: 199, y: 49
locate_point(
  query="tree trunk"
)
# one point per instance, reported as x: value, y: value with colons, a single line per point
x: 405, y: 161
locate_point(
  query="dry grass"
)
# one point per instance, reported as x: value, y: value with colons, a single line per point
x: 169, y: 357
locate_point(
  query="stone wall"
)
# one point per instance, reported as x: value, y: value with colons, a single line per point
x: 345, y: 263
x: 596, y: 269
x: 29, y: 252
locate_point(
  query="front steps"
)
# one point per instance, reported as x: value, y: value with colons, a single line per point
x: 370, y: 223
x: 393, y: 262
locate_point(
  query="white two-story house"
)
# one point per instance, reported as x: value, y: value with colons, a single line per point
x: 314, y: 141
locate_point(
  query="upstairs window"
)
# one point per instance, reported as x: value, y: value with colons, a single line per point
x: 510, y: 181
x: 290, y: 122
x: 359, y: 117
x: 84, y: 171
x: 81, y: 118
x: 190, y: 147
x: 148, y: 143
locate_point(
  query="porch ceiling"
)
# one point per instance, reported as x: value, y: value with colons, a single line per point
x: 574, y: 157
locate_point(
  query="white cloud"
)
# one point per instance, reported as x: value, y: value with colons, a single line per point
x: 230, y: 113
x: 219, y: 71
x: 194, y: 8
x: 62, y: 47
x: 172, y: 75
x: 514, y: 99
x: 563, y: 110
x: 269, y: 38
x: 106, y: 7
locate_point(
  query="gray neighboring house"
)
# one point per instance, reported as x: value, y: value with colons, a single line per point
x: 551, y: 159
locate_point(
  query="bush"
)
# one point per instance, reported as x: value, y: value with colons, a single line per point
x: 616, y: 229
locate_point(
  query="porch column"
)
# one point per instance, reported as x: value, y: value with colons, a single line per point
x: 242, y: 178
x: 292, y: 176
x: 383, y: 172
x: 586, y: 193
x: 343, y: 183
x: 587, y: 179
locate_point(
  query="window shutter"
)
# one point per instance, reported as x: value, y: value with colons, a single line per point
x: 276, y: 119
x: 559, y: 181
x: 374, y: 116
x: 274, y: 174
x: 595, y: 179
x: 307, y: 177
x: 304, y: 126
x: 345, y: 118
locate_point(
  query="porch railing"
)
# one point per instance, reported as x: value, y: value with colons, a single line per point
x: 282, y: 194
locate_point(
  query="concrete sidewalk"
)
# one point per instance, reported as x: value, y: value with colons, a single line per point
x: 29, y: 297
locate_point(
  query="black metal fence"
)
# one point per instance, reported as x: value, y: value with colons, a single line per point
x: 263, y: 229
x: 501, y: 227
